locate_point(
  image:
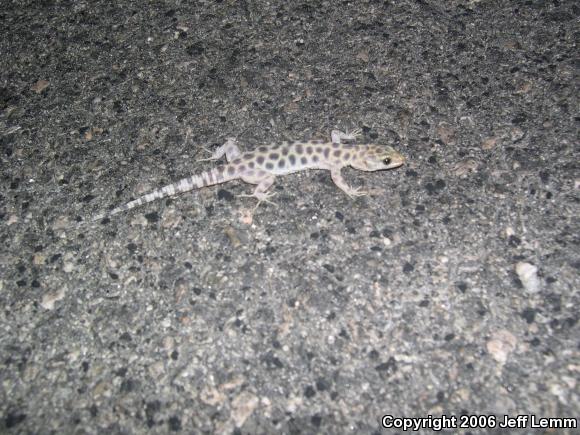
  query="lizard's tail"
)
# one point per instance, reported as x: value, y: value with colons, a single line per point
x: 209, y: 178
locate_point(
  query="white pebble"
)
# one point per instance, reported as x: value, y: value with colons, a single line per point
x: 528, y: 274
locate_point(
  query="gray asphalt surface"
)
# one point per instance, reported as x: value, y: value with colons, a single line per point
x: 454, y: 292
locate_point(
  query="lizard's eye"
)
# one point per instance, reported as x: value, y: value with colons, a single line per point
x: 387, y: 161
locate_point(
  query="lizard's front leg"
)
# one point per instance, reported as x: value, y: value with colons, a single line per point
x: 338, y: 136
x: 342, y: 185
x: 230, y: 149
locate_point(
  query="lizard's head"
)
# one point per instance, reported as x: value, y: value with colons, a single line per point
x: 377, y: 157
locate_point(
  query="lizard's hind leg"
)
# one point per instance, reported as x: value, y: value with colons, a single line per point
x: 230, y: 149
x: 264, y: 181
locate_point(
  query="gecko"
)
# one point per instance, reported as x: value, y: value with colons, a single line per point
x: 261, y: 166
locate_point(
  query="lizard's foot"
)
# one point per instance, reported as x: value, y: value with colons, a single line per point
x: 211, y: 158
x: 353, y: 134
x: 357, y: 191
x: 339, y: 136
x: 261, y: 197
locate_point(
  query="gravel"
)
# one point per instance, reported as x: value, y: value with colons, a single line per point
x: 321, y: 314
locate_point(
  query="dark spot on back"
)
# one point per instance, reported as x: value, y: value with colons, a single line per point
x: 274, y: 156
x: 251, y: 164
x: 260, y: 159
x: 318, y: 150
x: 309, y: 150
x: 242, y: 168
x: 335, y: 145
x: 336, y: 153
x: 237, y: 161
x: 315, y: 158
x: 303, y: 160
x: 263, y: 149
x: 269, y: 165
x: 281, y: 163
x: 231, y: 170
x: 292, y: 159
x: 285, y: 151
x: 247, y: 156
x: 299, y: 148
x: 346, y: 156
x: 326, y: 152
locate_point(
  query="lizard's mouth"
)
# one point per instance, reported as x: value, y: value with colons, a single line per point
x: 397, y: 163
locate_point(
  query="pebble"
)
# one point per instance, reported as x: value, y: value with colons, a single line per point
x: 52, y: 297
x: 501, y: 344
x: 528, y: 274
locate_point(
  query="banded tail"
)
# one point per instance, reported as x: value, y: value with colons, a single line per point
x: 209, y: 178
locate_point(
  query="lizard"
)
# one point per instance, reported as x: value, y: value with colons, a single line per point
x: 261, y: 166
